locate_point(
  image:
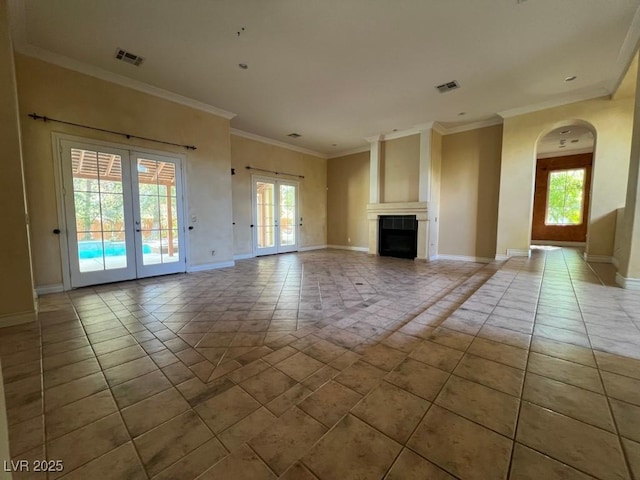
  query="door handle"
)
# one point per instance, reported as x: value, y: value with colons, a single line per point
x: 190, y: 227
x: 138, y: 230
x: 56, y: 231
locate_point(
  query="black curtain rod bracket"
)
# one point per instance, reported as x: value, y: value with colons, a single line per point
x: 45, y: 119
x: 274, y: 172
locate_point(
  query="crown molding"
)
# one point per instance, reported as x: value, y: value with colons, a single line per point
x: 490, y: 122
x: 375, y: 138
x: 351, y: 151
x: 436, y: 127
x: 96, y: 72
x: 590, y: 94
x: 401, y: 134
x: 276, y: 143
x: 439, y: 128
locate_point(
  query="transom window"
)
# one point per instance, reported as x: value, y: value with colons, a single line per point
x: 566, y: 197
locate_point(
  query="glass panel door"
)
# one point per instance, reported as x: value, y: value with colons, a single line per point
x: 275, y: 216
x: 158, y: 219
x: 97, y: 205
x: 288, y: 241
x: 123, y: 214
x: 265, y: 225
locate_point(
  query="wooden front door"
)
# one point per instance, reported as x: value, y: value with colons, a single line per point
x: 561, y: 205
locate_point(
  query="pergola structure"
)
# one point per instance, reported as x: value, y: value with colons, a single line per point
x: 92, y: 165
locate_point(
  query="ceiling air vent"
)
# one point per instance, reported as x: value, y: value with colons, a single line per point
x: 447, y: 87
x: 129, y: 57
x: 294, y: 135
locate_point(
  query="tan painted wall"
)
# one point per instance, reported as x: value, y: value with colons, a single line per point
x: 16, y: 285
x: 400, y: 172
x: 60, y: 93
x: 348, y: 195
x: 469, y: 192
x: 312, y: 193
x: 612, y: 121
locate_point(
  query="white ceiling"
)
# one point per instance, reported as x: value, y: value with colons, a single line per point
x: 566, y: 140
x: 336, y: 71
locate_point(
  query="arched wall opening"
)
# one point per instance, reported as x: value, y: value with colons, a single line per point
x: 612, y: 121
x: 562, y: 191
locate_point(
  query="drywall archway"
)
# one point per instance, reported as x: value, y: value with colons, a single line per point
x: 612, y: 121
x: 567, y: 146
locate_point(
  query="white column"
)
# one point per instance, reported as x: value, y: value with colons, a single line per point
x: 375, y: 164
x: 424, y: 181
x: 628, y: 275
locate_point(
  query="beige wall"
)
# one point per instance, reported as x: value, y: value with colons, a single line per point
x: 60, y: 93
x: 348, y: 189
x: 400, y: 172
x: 469, y: 192
x: 612, y: 121
x: 312, y: 194
x: 16, y: 285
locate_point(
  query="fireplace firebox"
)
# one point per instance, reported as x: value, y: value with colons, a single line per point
x: 398, y: 236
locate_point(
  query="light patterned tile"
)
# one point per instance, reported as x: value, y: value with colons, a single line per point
x: 460, y: 446
x: 581, y: 446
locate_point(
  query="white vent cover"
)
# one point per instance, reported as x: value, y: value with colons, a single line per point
x: 129, y: 57
x: 447, y: 87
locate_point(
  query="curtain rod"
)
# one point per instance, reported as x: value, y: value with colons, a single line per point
x: 271, y: 171
x: 128, y: 135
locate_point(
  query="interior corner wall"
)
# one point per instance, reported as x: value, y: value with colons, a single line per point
x: 312, y: 194
x: 469, y: 192
x: 348, y: 196
x: 400, y: 175
x: 16, y: 282
x: 612, y: 121
x: 64, y: 94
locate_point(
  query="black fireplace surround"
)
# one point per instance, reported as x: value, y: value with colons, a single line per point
x: 398, y: 236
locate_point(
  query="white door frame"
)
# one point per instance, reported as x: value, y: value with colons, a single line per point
x: 254, y: 215
x: 99, y: 276
x: 144, y: 271
x: 56, y: 139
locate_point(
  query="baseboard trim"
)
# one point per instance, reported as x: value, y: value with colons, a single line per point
x: 513, y: 252
x: 628, y: 283
x: 244, y: 256
x: 47, y: 289
x: 463, y: 258
x: 349, y: 247
x: 210, y: 266
x: 17, y: 319
x: 516, y: 252
x: 553, y: 243
x: 312, y: 247
x: 597, y: 258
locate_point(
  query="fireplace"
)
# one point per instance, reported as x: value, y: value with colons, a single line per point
x: 415, y: 211
x: 398, y: 236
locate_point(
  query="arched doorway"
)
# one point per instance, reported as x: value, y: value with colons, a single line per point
x: 564, y: 162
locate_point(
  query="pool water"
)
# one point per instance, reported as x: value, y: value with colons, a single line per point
x: 93, y: 249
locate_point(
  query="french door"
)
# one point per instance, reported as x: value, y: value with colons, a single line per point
x: 124, y: 213
x: 275, y: 216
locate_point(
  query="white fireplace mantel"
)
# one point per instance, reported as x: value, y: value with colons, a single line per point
x: 419, y: 209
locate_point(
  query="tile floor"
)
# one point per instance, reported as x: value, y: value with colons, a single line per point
x: 334, y: 365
